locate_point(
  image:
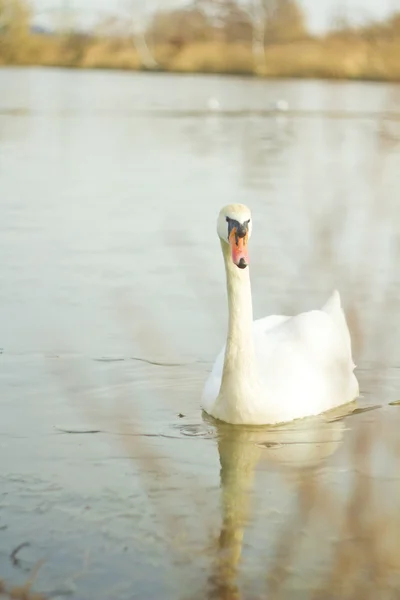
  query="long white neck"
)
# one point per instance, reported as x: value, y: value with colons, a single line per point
x: 240, y: 372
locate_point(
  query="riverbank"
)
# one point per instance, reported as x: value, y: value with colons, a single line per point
x: 333, y: 57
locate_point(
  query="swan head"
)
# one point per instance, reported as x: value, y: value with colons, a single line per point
x: 234, y: 228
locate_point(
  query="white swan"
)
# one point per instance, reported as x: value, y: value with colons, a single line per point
x: 280, y: 105
x: 278, y: 368
x: 213, y: 104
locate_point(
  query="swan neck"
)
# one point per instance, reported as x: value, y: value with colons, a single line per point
x: 239, y: 354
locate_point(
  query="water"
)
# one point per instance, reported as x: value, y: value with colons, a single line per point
x: 112, y: 308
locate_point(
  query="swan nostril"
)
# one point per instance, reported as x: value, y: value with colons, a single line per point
x: 242, y: 264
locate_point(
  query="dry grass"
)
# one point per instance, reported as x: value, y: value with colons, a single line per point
x: 106, y: 56
x: 213, y: 58
x: 21, y: 592
x: 336, y: 58
x: 18, y: 593
x: 326, y: 58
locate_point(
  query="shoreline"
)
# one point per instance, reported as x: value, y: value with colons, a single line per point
x: 332, y: 58
x: 327, y: 79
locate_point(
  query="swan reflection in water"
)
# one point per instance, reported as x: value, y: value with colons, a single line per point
x: 294, y: 451
x: 297, y: 450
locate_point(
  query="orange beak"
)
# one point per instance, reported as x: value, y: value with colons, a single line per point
x: 238, y: 244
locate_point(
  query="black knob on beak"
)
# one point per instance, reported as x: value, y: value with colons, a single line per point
x: 241, y: 230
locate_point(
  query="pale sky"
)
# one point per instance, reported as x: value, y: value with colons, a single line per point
x: 319, y: 12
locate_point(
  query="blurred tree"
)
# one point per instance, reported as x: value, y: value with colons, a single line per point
x: 180, y: 26
x: 238, y: 26
x: 285, y: 21
x: 394, y: 24
x: 257, y: 10
x: 15, y: 19
x: 272, y: 21
x: 254, y: 22
x: 220, y: 14
x: 110, y: 27
x: 389, y: 29
x: 137, y: 18
x: 340, y: 24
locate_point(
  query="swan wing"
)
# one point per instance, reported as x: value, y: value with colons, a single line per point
x: 321, y: 335
x: 305, y: 361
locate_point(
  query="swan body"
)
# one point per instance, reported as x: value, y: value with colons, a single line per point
x: 278, y: 368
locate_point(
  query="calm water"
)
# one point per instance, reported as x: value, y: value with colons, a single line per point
x: 112, y: 308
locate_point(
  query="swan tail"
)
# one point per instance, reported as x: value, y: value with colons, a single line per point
x: 333, y: 307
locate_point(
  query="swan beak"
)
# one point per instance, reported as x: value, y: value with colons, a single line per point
x: 238, y: 241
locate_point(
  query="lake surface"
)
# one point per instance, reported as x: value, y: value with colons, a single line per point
x: 112, y: 309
